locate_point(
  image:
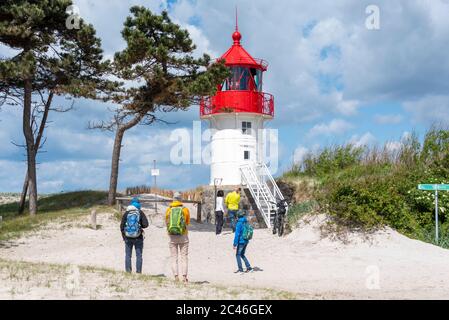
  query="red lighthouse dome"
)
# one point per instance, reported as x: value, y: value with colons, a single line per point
x: 242, y: 91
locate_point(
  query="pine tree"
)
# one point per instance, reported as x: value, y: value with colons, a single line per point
x: 51, y: 59
x: 163, y: 75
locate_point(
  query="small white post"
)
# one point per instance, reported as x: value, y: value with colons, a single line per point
x: 1, y: 221
x: 93, y: 219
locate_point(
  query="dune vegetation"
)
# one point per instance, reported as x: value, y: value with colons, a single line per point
x: 366, y: 188
x: 66, y: 206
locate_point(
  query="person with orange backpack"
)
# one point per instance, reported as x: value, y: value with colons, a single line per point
x: 177, y: 218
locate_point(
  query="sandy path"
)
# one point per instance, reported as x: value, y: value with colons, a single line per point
x: 301, y: 262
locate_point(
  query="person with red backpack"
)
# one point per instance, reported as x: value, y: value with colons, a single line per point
x: 132, y: 225
x: 177, y: 218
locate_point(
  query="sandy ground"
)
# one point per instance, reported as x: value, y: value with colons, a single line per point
x: 9, y: 198
x: 388, y: 266
x: 35, y: 281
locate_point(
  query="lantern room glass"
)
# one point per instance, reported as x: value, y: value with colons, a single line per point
x: 257, y: 76
x: 243, y: 78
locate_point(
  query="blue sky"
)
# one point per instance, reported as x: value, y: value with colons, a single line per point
x: 334, y: 81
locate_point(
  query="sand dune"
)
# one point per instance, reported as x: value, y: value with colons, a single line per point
x: 387, y: 266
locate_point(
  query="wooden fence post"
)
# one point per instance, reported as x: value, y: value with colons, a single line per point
x: 198, y: 213
x: 93, y: 219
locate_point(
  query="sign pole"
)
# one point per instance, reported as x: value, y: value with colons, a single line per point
x: 436, y: 188
x: 436, y: 215
x: 155, y: 186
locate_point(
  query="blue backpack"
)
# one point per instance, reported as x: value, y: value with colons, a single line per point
x: 132, y: 225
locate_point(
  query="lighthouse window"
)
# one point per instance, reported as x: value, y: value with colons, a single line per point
x: 246, y: 155
x: 246, y: 127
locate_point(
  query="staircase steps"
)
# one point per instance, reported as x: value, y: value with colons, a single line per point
x: 263, y: 189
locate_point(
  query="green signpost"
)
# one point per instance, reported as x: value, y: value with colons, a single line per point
x: 436, y: 188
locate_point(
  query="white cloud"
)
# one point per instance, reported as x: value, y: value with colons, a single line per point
x: 393, y: 146
x: 429, y: 109
x: 334, y: 127
x: 201, y: 42
x: 79, y: 143
x: 140, y: 149
x: 299, y: 154
x: 108, y: 17
x: 364, y: 140
x: 388, y: 118
x: 6, y: 147
x: 347, y: 107
x: 406, y: 135
x: 11, y: 175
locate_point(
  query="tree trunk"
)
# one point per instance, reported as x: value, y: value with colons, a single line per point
x: 23, y: 196
x: 115, y: 166
x: 116, y: 156
x: 37, y: 144
x: 30, y: 147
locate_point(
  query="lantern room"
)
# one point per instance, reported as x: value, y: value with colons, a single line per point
x: 242, y: 90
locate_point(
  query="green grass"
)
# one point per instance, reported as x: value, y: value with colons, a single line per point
x: 299, y: 210
x: 63, y: 206
x: 60, y: 201
x: 24, y: 277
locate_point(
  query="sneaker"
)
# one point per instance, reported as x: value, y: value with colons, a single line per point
x: 249, y: 270
x: 239, y: 272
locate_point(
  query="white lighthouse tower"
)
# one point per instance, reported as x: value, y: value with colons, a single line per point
x: 236, y: 115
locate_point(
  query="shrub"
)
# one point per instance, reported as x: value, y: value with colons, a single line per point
x: 367, y: 188
x: 331, y: 159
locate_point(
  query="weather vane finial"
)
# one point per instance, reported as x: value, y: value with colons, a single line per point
x: 236, y: 36
x: 236, y: 19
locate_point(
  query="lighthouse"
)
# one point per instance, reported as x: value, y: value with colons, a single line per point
x: 236, y: 115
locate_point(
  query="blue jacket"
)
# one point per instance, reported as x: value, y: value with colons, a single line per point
x: 238, y: 237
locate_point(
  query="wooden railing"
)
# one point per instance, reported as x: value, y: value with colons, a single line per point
x: 120, y: 200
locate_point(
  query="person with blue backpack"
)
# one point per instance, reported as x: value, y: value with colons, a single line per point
x: 243, y: 233
x: 132, y: 225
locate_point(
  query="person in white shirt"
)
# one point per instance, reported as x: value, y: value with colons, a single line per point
x: 219, y: 211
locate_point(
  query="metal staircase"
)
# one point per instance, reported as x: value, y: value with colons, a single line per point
x: 263, y: 189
